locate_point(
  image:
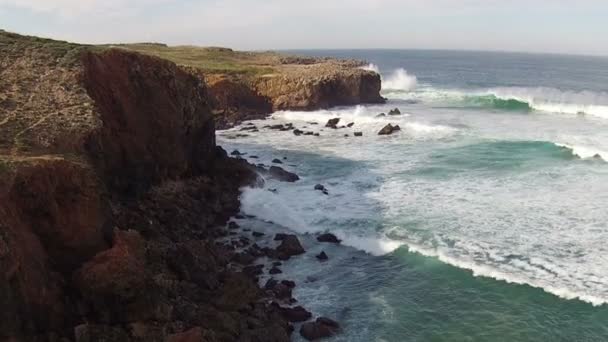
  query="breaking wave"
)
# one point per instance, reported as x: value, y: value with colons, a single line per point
x: 399, y: 80
x: 547, y: 100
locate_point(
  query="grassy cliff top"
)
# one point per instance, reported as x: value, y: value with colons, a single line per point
x: 209, y: 59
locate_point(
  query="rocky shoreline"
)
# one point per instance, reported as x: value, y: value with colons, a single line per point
x: 115, y: 200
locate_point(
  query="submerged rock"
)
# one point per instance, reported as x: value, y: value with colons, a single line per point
x: 277, y: 161
x: 322, y: 256
x: 298, y: 132
x: 395, y: 111
x: 380, y: 115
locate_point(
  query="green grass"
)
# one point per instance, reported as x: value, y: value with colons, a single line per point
x: 216, y: 60
x: 63, y: 53
x: 206, y: 59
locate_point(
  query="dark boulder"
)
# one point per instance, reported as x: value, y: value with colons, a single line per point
x: 257, y: 234
x: 321, y: 328
x: 290, y: 246
x: 298, y: 132
x: 280, y: 236
x: 322, y: 256
x: 395, y: 111
x: 296, y: 314
x: 389, y: 129
x: 358, y: 134
x: 277, y: 161
x: 380, y: 115
x: 275, y: 270
x: 350, y: 124
x: 237, y: 153
x: 333, y: 123
x: 282, y: 175
x: 328, y: 237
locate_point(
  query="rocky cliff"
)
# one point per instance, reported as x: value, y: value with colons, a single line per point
x: 112, y: 192
x: 248, y: 85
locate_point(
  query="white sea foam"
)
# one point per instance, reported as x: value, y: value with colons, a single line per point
x: 557, y: 101
x: 548, y: 100
x: 553, y: 217
x: 585, y: 152
x: 399, y: 80
x: 480, y: 270
x: 371, y: 67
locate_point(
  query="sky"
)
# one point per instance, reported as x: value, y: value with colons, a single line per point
x: 554, y: 26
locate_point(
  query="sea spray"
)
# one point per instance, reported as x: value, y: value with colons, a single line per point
x: 399, y: 80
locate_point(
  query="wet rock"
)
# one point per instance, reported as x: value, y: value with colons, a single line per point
x: 279, y: 126
x: 321, y: 328
x: 249, y: 128
x: 296, y: 314
x: 346, y: 135
x: 289, y: 283
x: 243, y: 258
x: 257, y: 234
x: 317, y: 135
x: 290, y: 246
x: 275, y: 270
x: 277, y: 161
x: 233, y: 225
x: 277, y: 263
x: 358, y: 134
x: 253, y: 157
x: 350, y: 124
x: 380, y: 115
x: 389, y: 129
x: 254, y: 270
x: 282, y: 175
x: 280, y: 236
x: 298, y: 132
x: 321, y: 187
x: 328, y: 237
x: 237, y: 153
x: 333, y: 123
x: 395, y: 111
x: 309, y: 133
x: 322, y: 256
x: 274, y: 191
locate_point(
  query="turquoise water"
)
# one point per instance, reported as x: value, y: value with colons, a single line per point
x: 484, y: 219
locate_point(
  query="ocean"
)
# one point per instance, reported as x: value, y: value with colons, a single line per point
x: 484, y: 219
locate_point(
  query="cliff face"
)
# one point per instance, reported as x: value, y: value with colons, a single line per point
x: 156, y: 120
x: 111, y: 193
x: 305, y: 87
x: 317, y: 86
